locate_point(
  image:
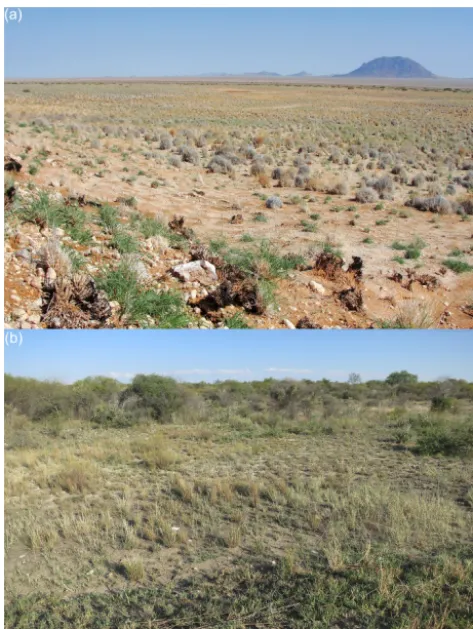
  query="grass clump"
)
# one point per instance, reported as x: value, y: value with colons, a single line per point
x: 457, y: 266
x: 108, y: 218
x: 166, y: 309
x: 133, y: 570
x: 124, y: 242
x: 412, y: 250
x: 236, y: 322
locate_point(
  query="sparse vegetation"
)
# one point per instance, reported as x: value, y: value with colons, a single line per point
x: 146, y: 170
x: 364, y: 485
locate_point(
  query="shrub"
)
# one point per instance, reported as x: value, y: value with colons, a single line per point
x: 189, y: 155
x: 384, y: 186
x: 274, y: 202
x: 437, y: 204
x: 447, y: 438
x: 264, y: 181
x: 366, y: 195
x: 339, y: 187
x: 220, y: 164
x: 112, y: 417
x: 286, y: 179
x: 467, y: 205
x: 258, y: 167
x: 160, y: 395
x: 440, y: 404
x: 165, y: 142
x: 418, y: 180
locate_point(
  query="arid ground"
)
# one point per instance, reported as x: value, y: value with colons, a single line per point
x: 238, y: 505
x: 300, y: 205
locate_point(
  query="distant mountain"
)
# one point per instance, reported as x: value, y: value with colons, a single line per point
x: 263, y: 73
x: 391, y: 68
x: 301, y: 74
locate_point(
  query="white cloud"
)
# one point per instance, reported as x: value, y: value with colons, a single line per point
x: 120, y: 375
x: 288, y: 370
x: 187, y: 372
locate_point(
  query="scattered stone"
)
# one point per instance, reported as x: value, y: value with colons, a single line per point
x: 34, y: 318
x: 18, y: 313
x: 289, y: 324
x: 50, y: 277
x: 24, y: 254
x: 236, y: 219
x: 199, y: 270
x: 157, y: 243
x: 316, y: 287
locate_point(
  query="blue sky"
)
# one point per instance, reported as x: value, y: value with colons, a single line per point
x: 84, y: 42
x: 242, y: 355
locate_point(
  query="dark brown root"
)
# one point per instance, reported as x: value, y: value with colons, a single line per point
x: 245, y: 294
x: 356, y: 268
x: 328, y: 264
x: 178, y: 227
x: 10, y: 164
x: 74, y: 303
x: 352, y: 298
x: 428, y: 281
x: 306, y: 324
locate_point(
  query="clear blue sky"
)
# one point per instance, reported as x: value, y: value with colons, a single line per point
x: 251, y: 355
x: 185, y: 41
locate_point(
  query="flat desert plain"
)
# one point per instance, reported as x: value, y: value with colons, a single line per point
x: 237, y: 204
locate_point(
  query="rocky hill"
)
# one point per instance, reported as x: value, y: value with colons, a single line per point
x: 392, y: 68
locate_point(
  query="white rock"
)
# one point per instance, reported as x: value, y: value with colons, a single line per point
x: 14, y: 297
x: 289, y: 324
x: 36, y: 282
x: 35, y: 318
x: 18, y: 313
x: 198, y: 270
x: 51, y: 275
x: 316, y: 287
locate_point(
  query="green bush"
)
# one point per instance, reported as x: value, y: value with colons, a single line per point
x: 441, y: 404
x: 446, y: 438
x: 113, y: 417
x: 159, y: 395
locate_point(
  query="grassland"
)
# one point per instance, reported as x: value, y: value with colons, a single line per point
x: 274, y: 504
x: 299, y: 168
